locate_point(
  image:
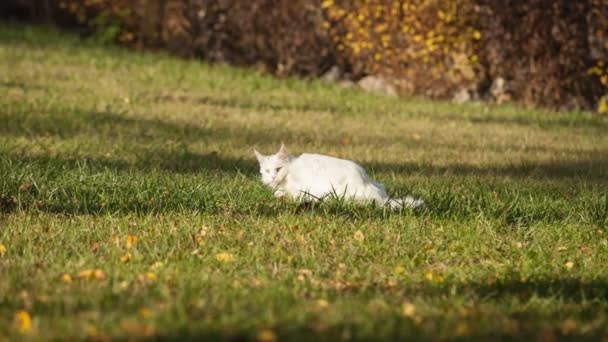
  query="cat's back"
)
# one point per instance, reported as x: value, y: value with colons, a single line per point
x: 319, y: 163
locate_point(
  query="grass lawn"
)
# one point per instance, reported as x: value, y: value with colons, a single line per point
x: 130, y: 206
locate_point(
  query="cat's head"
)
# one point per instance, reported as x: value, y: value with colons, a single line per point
x: 273, y: 167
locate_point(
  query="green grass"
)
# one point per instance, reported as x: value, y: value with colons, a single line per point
x: 98, y: 143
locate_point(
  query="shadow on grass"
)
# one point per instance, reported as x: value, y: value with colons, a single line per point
x: 119, y: 128
x: 592, y: 169
x: 572, y: 299
x: 242, y: 103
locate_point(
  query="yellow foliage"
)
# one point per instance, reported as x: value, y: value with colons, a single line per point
x: 399, y: 37
x: 23, y: 322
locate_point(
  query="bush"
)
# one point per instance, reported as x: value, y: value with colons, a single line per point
x: 283, y: 36
x: 429, y: 43
x: 551, y: 53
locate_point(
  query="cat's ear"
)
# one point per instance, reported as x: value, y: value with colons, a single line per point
x: 283, y: 154
x: 259, y: 156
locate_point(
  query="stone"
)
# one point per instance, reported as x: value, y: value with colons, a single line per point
x: 332, y: 75
x: 377, y: 85
x: 462, y: 96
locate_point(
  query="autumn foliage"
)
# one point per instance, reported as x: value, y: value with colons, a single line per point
x: 552, y: 53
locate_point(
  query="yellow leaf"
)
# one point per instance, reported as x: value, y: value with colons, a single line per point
x: 151, y: 275
x: 2, y: 249
x: 66, y: 278
x: 126, y: 257
x: 225, y: 257
x: 266, y: 335
x: 569, y: 265
x: 462, y: 329
x: 131, y: 240
x: 157, y: 265
x: 327, y: 3
x: 92, y: 330
x: 322, y: 303
x: 23, y: 321
x: 96, y: 274
x: 359, y: 236
x: 399, y: 270
x: 408, y: 309
x: 429, y: 276
x: 144, y: 313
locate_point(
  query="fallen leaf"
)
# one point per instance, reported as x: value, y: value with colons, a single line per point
x: 131, y: 240
x: 462, y: 329
x: 399, y: 270
x: 433, y: 277
x: 584, y: 249
x: 136, y: 329
x: 94, y: 247
x: 23, y: 321
x: 359, y: 236
x: 92, y: 331
x: 225, y: 257
x: 561, y: 248
x: 266, y: 335
x: 569, y: 265
x: 408, y: 309
x: 322, y: 303
x: 157, y: 265
x: 2, y: 249
x: 96, y: 274
x: 569, y: 326
x: 66, y: 278
x: 126, y: 258
x: 144, y: 313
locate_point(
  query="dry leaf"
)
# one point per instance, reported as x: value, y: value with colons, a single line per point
x: 94, y: 247
x: 144, y: 313
x: 66, y: 278
x: 462, y: 329
x: 408, y: 309
x: 359, y: 236
x: 266, y: 335
x: 23, y: 322
x: 225, y: 257
x: 136, y: 329
x: 96, y: 274
x: 322, y: 303
x: 157, y: 265
x: 92, y: 331
x: 126, y: 258
x: 399, y: 270
x: 131, y: 240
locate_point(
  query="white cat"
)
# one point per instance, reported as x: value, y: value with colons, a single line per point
x: 311, y: 177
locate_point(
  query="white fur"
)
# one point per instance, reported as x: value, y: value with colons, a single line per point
x: 311, y: 177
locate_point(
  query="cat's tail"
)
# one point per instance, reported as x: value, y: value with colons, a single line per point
x: 407, y: 202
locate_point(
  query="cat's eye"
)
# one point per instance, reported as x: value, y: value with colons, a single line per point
x: 278, y: 169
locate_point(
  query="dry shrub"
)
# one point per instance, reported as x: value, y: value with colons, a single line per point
x: 546, y: 49
x: 283, y: 36
x: 550, y: 52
